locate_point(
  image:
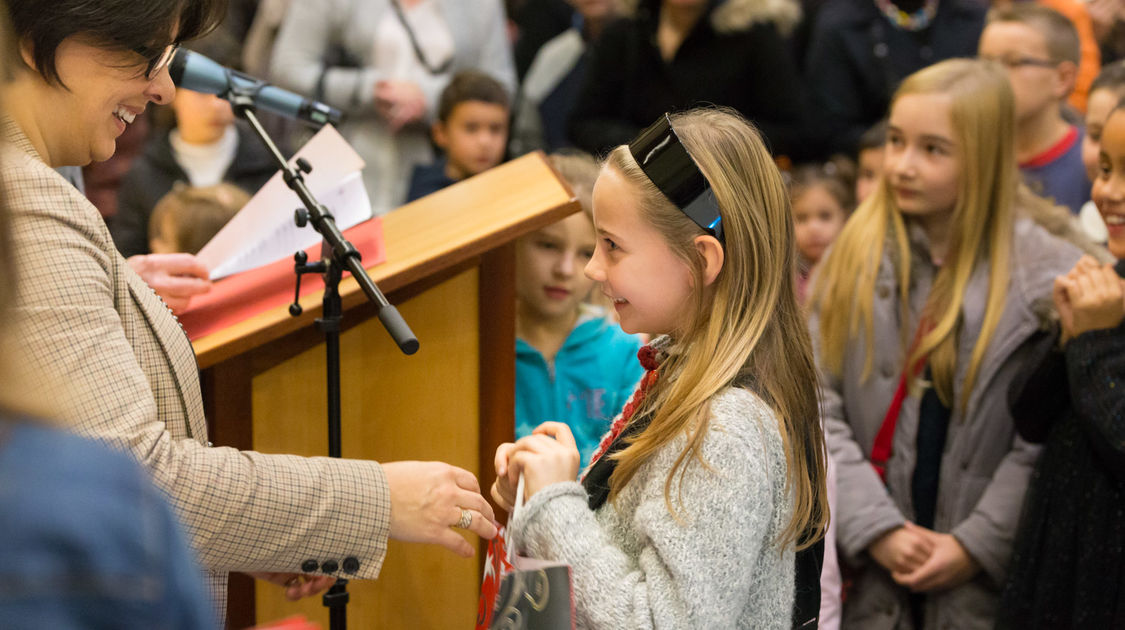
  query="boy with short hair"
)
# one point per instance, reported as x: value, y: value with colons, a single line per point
x: 1040, y: 49
x: 472, y: 130
x: 186, y: 218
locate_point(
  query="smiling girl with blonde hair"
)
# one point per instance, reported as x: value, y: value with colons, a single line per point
x: 712, y: 478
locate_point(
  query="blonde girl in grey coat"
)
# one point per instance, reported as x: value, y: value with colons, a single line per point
x: 940, y: 271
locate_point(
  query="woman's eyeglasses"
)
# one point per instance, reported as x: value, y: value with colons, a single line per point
x: 157, y: 59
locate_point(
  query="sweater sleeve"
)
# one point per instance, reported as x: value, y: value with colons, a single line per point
x: 1035, y: 397
x: 301, y: 52
x: 1095, y: 364
x: 725, y: 513
x: 489, y: 51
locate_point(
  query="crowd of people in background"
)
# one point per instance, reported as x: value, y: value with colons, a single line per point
x: 955, y: 180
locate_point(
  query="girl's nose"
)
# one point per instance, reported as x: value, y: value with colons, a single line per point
x: 904, y: 166
x: 566, y: 264
x: 1115, y: 188
x: 594, y: 269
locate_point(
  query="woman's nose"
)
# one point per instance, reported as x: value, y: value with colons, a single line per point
x: 161, y: 90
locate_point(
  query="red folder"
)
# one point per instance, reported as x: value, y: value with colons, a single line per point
x: 244, y: 295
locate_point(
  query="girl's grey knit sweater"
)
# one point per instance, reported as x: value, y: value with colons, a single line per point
x: 718, y: 565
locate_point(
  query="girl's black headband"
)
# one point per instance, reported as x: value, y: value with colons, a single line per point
x: 668, y: 165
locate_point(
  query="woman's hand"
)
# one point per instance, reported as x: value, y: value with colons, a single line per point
x: 549, y: 455
x: 1089, y: 297
x: 400, y: 103
x: 174, y: 277
x: 428, y: 499
x: 901, y: 550
x: 948, y: 566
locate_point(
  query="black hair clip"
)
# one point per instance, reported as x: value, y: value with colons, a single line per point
x: 668, y: 165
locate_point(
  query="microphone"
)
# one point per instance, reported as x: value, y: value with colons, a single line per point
x: 193, y: 71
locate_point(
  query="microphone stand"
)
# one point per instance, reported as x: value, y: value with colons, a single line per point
x: 337, y: 254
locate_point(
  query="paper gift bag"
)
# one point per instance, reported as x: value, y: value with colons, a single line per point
x: 520, y: 593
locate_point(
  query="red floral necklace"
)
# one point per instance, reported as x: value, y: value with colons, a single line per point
x: 649, y: 361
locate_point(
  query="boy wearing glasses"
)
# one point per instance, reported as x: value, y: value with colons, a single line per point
x: 1040, y: 49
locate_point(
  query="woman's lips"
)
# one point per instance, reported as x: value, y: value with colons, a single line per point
x: 557, y: 293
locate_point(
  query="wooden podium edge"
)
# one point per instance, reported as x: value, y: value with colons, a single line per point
x: 392, y: 274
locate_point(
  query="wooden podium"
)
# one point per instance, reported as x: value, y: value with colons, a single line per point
x: 450, y: 270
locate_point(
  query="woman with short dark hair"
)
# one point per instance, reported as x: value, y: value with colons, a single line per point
x: 90, y: 67
x: 88, y: 541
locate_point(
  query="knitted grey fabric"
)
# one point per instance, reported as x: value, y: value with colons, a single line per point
x: 716, y: 564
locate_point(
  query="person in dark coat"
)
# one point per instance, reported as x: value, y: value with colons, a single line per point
x: 671, y: 56
x: 858, y: 56
x: 206, y: 147
x: 1068, y: 561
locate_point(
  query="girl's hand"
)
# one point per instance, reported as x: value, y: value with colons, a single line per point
x: 901, y: 550
x: 549, y: 455
x: 1090, y: 297
x: 503, y: 490
x: 949, y: 565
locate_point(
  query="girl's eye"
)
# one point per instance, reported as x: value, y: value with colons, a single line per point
x: 609, y: 244
x: 894, y: 141
x: 586, y: 253
x: 934, y: 149
x: 548, y: 245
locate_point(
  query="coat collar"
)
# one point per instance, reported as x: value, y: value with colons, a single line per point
x: 15, y: 137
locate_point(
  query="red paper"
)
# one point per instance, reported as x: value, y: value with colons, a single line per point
x: 244, y: 295
x: 496, y: 566
x: 296, y: 622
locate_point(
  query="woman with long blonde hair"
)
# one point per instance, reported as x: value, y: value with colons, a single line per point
x: 713, y: 476
x: 921, y: 315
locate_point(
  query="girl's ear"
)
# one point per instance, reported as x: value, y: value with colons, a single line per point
x: 711, y: 250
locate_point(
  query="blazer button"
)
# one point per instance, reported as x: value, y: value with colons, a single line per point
x: 351, y: 564
x: 329, y: 566
x: 884, y: 292
x: 309, y: 566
